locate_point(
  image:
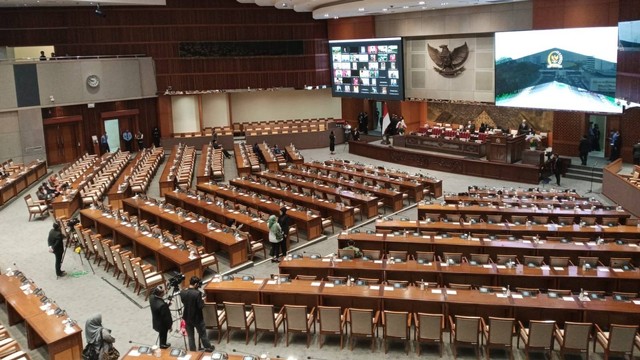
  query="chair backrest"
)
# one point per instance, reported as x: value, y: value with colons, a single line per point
x: 540, y: 333
x: 329, y: 318
x: 530, y: 260
x: 296, y: 316
x: 501, y: 330
x: 264, y: 316
x: 361, y: 321
x: 210, y: 314
x: 346, y: 253
x: 591, y: 260
x: 425, y: 256
x: 448, y: 256
x: 503, y: 259
x: 576, y: 335
x: 620, y: 262
x: 621, y: 337
x: 479, y: 258
x: 128, y: 267
x: 372, y: 254
x: 236, y: 316
x: 142, y: 280
x: 459, y: 286
x: 402, y: 255
x: 395, y: 323
x: 467, y: 329
x: 558, y: 261
x: 96, y: 240
x: 430, y: 326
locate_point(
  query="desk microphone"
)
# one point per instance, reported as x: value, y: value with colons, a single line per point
x: 245, y: 353
x: 139, y: 343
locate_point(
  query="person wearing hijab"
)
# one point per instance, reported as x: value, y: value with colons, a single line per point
x: 99, y: 336
x: 275, y: 237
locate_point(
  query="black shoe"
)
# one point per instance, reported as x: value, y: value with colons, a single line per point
x: 210, y: 349
x: 63, y: 273
x: 165, y: 346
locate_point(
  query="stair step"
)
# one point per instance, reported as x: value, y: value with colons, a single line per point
x: 585, y: 178
x: 588, y: 167
x: 587, y: 173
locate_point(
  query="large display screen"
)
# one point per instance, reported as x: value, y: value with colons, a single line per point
x: 562, y: 69
x: 367, y: 68
x: 629, y: 35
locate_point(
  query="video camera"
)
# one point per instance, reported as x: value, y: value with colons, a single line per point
x: 175, y: 281
x: 72, y: 222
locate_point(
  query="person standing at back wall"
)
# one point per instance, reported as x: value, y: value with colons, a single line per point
x: 140, y: 140
x: 127, y: 137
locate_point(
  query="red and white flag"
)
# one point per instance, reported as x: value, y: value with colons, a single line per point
x: 386, y: 119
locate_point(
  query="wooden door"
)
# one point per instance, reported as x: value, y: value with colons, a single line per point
x: 62, y: 142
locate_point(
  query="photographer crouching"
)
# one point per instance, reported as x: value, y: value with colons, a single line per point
x: 192, y: 300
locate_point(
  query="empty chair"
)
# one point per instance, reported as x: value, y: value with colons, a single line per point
x: 253, y: 247
x: 518, y: 219
x: 214, y: 318
x: 528, y: 291
x: 147, y: 279
x: 590, y: 261
x: 427, y: 284
x: 498, y: 333
x: 396, y: 325
x: 479, y: 259
x: 398, y: 255
x: 337, y: 279
x: 618, y: 340
x: 502, y: 259
x: 588, y: 220
x: 306, y: 277
x: 479, y: 235
x: 400, y: 284
x: 565, y: 220
x: 540, y: 219
x: 574, y: 338
x: 451, y: 258
x: 539, y: 336
x: 267, y: 320
x: 36, y: 208
x: 559, y: 292
x: 372, y: 254
x: 367, y: 281
x: 474, y: 219
x: 459, y: 286
x: 363, y: 323
x: 494, y: 219
x: 559, y: 261
x: 238, y: 319
x: 332, y: 322
x: 428, y: 329
x: 609, y: 221
x: 621, y: 263
x: 299, y: 320
x: 533, y: 261
x: 425, y: 256
x: 623, y: 295
x: 465, y: 330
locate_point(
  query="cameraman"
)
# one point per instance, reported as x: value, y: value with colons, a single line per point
x: 192, y: 314
x: 160, y: 315
x: 56, y: 246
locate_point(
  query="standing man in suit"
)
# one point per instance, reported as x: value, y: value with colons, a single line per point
x: 56, y: 246
x: 523, y: 129
x: 192, y: 314
x: 127, y: 136
x: 556, y: 167
x: 104, y: 143
x: 583, y: 148
x: 616, y: 144
x: 160, y: 316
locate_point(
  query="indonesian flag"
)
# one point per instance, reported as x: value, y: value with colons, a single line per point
x: 386, y: 119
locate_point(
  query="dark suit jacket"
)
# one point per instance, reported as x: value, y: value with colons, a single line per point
x: 584, y: 146
x: 160, y: 314
x: 193, y: 305
x: 55, y: 240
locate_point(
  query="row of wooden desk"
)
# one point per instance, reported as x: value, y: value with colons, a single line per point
x: 42, y: 326
x: 413, y: 299
x: 412, y: 243
x: 11, y: 186
x: 167, y: 255
x: 545, y: 230
x: 545, y: 277
x: 367, y: 204
x: 166, y: 354
x: 343, y: 215
x: 191, y: 229
x: 508, y: 211
x: 310, y: 224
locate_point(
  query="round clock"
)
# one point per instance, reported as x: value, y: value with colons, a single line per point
x: 93, y: 81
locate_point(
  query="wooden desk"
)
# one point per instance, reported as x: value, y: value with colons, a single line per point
x: 41, y: 328
x: 16, y: 182
x: 510, y: 211
x: 392, y: 198
x: 505, y: 148
x: 269, y: 159
x: 523, y: 201
x: 167, y: 179
x: 367, y: 204
x: 434, y: 185
x: 592, y: 232
x: 165, y: 354
x: 293, y: 154
x: 121, y: 188
x: 309, y: 224
x: 440, y: 144
x: 619, y: 189
x: 211, y: 239
x: 236, y: 290
x: 306, y: 293
x: 343, y: 215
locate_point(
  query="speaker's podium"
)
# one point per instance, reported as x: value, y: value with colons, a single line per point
x: 505, y: 148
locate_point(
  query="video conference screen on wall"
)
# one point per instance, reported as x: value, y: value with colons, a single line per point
x: 562, y: 69
x: 367, y: 68
x: 629, y: 35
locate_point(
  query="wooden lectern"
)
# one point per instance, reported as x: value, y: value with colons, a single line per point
x: 505, y: 148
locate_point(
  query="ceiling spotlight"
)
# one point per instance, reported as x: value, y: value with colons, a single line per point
x: 99, y: 11
x: 421, y: 3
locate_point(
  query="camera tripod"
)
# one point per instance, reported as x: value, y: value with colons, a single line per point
x: 175, y: 306
x: 72, y: 240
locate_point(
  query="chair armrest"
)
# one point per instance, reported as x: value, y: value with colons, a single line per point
x: 451, y: 323
x: 598, y: 330
x: 520, y: 324
x: 408, y: 322
x: 281, y: 312
x: 376, y: 318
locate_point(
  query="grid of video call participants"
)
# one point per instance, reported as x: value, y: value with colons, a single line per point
x: 371, y: 69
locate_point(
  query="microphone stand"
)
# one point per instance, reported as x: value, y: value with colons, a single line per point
x: 591, y: 180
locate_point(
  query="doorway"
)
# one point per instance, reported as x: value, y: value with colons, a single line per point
x: 376, y: 116
x: 598, y: 145
x: 112, y: 128
x: 62, y: 140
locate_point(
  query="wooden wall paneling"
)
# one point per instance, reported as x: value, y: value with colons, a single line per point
x: 165, y: 116
x: 360, y: 27
x: 351, y: 108
x: 568, y: 128
x: 557, y: 14
x: 414, y: 113
x: 630, y: 132
x: 629, y: 10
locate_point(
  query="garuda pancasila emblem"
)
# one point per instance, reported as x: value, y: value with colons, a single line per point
x: 449, y: 63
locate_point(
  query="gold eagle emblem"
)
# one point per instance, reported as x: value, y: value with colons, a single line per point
x: 449, y: 63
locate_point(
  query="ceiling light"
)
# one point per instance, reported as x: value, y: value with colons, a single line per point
x: 360, y: 9
x: 326, y: 15
x: 385, y: 9
x: 421, y: 3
